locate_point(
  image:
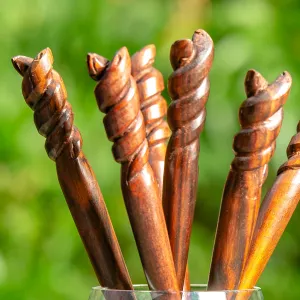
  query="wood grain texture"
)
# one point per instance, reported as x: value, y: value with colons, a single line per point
x: 276, y: 211
x: 44, y: 91
x: 150, y: 84
x: 188, y: 87
x: 117, y: 96
x: 260, y: 118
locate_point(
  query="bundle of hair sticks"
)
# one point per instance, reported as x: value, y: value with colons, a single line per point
x: 159, y: 164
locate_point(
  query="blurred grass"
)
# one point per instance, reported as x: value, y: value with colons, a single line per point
x: 41, y: 255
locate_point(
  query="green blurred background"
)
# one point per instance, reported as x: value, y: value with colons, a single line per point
x: 41, y: 255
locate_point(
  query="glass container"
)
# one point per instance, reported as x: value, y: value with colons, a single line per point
x: 198, y: 291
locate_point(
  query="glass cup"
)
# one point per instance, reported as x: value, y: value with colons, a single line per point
x: 198, y: 291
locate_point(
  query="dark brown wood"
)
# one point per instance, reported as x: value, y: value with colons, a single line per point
x: 150, y: 84
x: 276, y: 211
x: 189, y: 89
x: 44, y: 91
x: 260, y: 118
x: 117, y: 96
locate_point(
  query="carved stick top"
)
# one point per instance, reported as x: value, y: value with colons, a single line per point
x: 117, y: 96
x: 150, y: 84
x: 189, y: 85
x: 261, y: 117
x: 293, y: 153
x: 44, y: 92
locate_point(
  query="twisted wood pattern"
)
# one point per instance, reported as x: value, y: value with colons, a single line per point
x: 189, y: 89
x: 150, y: 84
x: 276, y: 211
x: 260, y: 118
x: 44, y: 91
x: 117, y: 96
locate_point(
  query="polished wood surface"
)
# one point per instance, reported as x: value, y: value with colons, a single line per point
x: 117, y: 96
x: 188, y: 87
x: 187, y: 281
x: 276, y: 211
x: 260, y: 118
x: 44, y: 91
x: 159, y: 180
x: 150, y: 84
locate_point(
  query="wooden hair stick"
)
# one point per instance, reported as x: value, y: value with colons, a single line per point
x: 260, y: 117
x: 117, y: 96
x: 44, y: 91
x: 276, y: 211
x: 189, y: 89
x: 150, y: 84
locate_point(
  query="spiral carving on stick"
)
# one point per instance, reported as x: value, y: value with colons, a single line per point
x: 188, y: 87
x: 260, y: 118
x: 44, y: 92
x: 123, y: 121
x: 117, y: 96
x: 274, y: 215
x: 150, y: 84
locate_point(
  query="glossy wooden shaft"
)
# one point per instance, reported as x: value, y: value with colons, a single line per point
x: 117, y: 96
x: 187, y: 282
x: 276, y: 211
x: 260, y: 119
x: 44, y: 91
x: 150, y: 84
x: 188, y: 87
x: 93, y: 222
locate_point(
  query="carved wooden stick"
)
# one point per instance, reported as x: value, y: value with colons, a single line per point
x: 44, y: 91
x: 189, y: 90
x: 260, y: 118
x: 275, y: 213
x: 150, y: 84
x: 117, y: 96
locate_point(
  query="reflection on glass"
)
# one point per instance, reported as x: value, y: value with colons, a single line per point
x: 198, y: 291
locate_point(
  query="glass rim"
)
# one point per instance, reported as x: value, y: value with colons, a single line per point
x: 195, y: 285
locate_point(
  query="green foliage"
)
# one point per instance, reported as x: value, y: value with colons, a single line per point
x: 41, y: 255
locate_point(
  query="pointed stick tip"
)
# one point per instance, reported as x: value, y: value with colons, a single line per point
x: 201, y: 37
x: 147, y: 54
x: 21, y: 63
x: 254, y: 82
x: 287, y: 76
x: 149, y: 48
x: 121, y: 54
x: 45, y: 52
x: 96, y: 65
x: 142, y: 60
x: 181, y: 52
